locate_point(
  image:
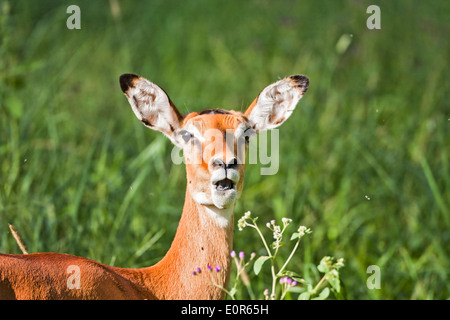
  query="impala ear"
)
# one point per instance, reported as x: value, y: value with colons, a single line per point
x: 276, y: 102
x: 151, y: 105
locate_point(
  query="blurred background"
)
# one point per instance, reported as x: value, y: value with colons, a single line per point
x: 363, y: 159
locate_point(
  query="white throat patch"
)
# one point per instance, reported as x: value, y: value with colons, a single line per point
x: 222, y: 217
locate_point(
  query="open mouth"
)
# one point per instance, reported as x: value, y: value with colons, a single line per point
x: 224, y: 185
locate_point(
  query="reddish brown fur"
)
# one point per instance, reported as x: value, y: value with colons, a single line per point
x: 199, y: 242
x: 44, y: 275
x: 196, y: 244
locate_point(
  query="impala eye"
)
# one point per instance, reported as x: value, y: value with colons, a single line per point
x: 248, y: 133
x: 185, y: 135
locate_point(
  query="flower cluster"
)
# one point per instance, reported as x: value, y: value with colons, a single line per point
x: 208, y: 267
x: 241, y: 273
x: 326, y: 265
x: 242, y: 222
x: 288, y: 282
x: 285, y: 283
x: 241, y: 255
x: 266, y: 294
x: 286, y: 221
x: 302, y: 230
x: 277, y: 233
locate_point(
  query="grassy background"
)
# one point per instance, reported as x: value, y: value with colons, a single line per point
x: 79, y: 174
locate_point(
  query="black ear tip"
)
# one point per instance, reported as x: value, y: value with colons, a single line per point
x: 126, y: 81
x: 301, y: 82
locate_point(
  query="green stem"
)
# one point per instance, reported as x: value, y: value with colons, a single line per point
x: 255, y: 226
x: 290, y: 256
x: 320, y: 283
x: 284, y: 293
x: 274, y: 276
x: 222, y: 288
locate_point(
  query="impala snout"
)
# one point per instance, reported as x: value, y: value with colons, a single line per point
x: 220, y: 170
x: 219, y: 163
x: 225, y: 177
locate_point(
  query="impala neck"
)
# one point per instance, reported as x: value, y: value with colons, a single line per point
x: 204, y: 237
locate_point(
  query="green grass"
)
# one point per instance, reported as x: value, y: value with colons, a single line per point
x: 79, y: 174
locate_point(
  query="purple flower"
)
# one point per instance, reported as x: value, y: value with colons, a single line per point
x: 209, y: 267
x: 194, y: 273
x: 218, y: 268
x: 287, y: 280
x: 241, y: 254
x: 233, y: 254
x: 294, y: 283
x: 199, y: 270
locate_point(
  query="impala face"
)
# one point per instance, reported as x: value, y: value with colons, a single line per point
x: 214, y: 144
x: 214, y: 141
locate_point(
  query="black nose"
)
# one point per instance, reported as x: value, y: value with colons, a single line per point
x: 219, y: 163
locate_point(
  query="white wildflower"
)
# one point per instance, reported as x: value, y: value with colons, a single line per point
x: 286, y: 221
x: 242, y: 223
x: 277, y: 235
x: 302, y: 230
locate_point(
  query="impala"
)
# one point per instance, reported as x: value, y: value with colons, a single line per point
x: 204, y: 234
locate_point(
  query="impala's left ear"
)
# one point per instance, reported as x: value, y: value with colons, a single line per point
x: 275, y: 103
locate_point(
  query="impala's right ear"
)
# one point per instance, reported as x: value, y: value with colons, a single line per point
x: 151, y: 105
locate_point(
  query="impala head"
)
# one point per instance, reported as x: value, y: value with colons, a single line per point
x: 214, y: 141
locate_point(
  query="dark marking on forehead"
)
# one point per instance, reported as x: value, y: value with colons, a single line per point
x: 213, y: 111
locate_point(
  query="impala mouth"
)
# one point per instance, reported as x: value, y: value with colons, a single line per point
x: 224, y: 185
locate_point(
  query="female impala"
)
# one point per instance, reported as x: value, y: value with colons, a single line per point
x: 204, y: 234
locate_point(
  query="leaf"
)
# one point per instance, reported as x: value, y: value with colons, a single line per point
x: 323, y: 295
x: 335, y: 283
x: 295, y: 235
x: 259, y: 263
x: 296, y: 289
x: 304, y: 296
x: 323, y: 266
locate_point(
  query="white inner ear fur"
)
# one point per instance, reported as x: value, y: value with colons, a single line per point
x: 274, y: 105
x: 151, y: 106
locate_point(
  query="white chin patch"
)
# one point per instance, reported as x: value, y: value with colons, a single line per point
x: 222, y: 217
x: 220, y: 208
x: 223, y: 199
x: 202, y: 198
